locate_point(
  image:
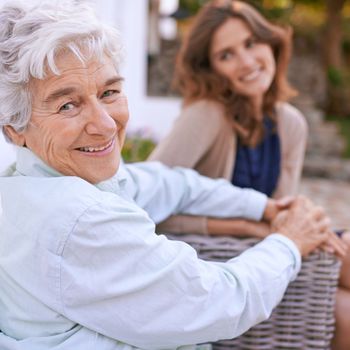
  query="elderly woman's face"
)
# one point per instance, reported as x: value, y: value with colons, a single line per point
x: 78, y: 119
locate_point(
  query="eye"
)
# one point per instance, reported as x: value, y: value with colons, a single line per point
x: 70, y: 109
x: 109, y: 93
x: 250, y: 43
x: 67, y: 107
x: 226, y: 55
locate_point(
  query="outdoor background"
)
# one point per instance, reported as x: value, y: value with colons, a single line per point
x: 320, y: 69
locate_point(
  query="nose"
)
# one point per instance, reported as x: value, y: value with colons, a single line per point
x: 98, y: 120
x: 246, y: 58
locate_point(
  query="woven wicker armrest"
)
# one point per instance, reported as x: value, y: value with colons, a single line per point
x: 305, y: 317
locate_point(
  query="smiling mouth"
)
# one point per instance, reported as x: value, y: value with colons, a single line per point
x: 252, y: 75
x: 91, y: 149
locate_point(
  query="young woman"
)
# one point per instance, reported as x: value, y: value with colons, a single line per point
x: 235, y: 123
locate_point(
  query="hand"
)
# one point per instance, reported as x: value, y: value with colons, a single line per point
x: 305, y: 224
x: 260, y: 229
x: 274, y: 206
x: 346, y: 237
x: 335, y: 245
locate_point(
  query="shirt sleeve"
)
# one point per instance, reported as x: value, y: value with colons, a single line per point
x: 123, y: 281
x: 162, y: 192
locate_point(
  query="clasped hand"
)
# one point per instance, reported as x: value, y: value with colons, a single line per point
x: 306, y: 224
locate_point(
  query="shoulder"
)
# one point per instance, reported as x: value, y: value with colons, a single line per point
x: 204, y: 106
x: 56, y: 210
x: 291, y: 120
x: 194, y: 132
x: 210, y: 111
x: 202, y: 117
x: 70, y: 189
x: 48, y: 201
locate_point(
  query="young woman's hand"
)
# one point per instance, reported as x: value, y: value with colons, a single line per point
x: 274, y: 206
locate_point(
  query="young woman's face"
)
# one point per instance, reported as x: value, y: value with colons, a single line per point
x: 236, y: 54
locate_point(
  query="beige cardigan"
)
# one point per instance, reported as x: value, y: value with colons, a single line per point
x: 202, y: 138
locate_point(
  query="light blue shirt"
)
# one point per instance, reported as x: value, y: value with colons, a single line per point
x: 82, y: 268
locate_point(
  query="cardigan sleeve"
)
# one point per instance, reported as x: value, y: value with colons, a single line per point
x: 293, y: 131
x: 194, y: 132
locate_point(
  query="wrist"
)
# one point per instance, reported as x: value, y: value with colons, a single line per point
x: 270, y: 210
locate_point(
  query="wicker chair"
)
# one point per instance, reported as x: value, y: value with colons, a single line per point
x: 303, y: 320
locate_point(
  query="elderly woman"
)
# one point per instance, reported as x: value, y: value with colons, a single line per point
x: 80, y: 264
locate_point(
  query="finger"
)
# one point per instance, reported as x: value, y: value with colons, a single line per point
x: 318, y: 213
x: 302, y: 204
x: 340, y: 247
x: 327, y: 248
x: 334, y: 237
x: 323, y: 225
x: 304, y: 201
x: 335, y: 246
x: 346, y: 237
x: 321, y: 237
x: 285, y: 202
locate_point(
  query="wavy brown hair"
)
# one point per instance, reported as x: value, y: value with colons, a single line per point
x: 195, y: 79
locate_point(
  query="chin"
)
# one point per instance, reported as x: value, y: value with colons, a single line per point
x: 107, y: 174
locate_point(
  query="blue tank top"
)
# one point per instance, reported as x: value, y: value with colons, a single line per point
x: 259, y: 167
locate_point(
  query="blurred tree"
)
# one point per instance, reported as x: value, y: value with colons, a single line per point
x: 318, y: 21
x: 192, y: 6
x: 333, y: 56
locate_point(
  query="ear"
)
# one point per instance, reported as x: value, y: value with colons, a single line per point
x: 17, y: 138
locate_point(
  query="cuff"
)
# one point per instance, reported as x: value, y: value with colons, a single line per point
x: 255, y: 205
x: 292, y: 248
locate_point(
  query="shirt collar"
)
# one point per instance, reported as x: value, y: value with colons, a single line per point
x: 29, y: 164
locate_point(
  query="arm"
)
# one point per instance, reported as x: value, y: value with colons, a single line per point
x: 248, y: 228
x: 233, y: 227
x: 238, y: 227
x: 196, y: 129
x: 205, y: 225
x: 121, y: 280
x: 162, y: 191
x: 293, y: 132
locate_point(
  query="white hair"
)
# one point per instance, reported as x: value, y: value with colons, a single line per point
x: 31, y: 37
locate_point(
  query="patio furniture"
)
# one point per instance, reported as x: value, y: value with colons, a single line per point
x: 303, y: 320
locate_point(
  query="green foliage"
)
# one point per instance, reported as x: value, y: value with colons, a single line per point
x: 335, y: 76
x: 137, y: 148
x: 310, y: 2
x: 277, y: 10
x: 344, y: 127
x: 192, y: 6
x: 345, y: 130
x: 346, y: 46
